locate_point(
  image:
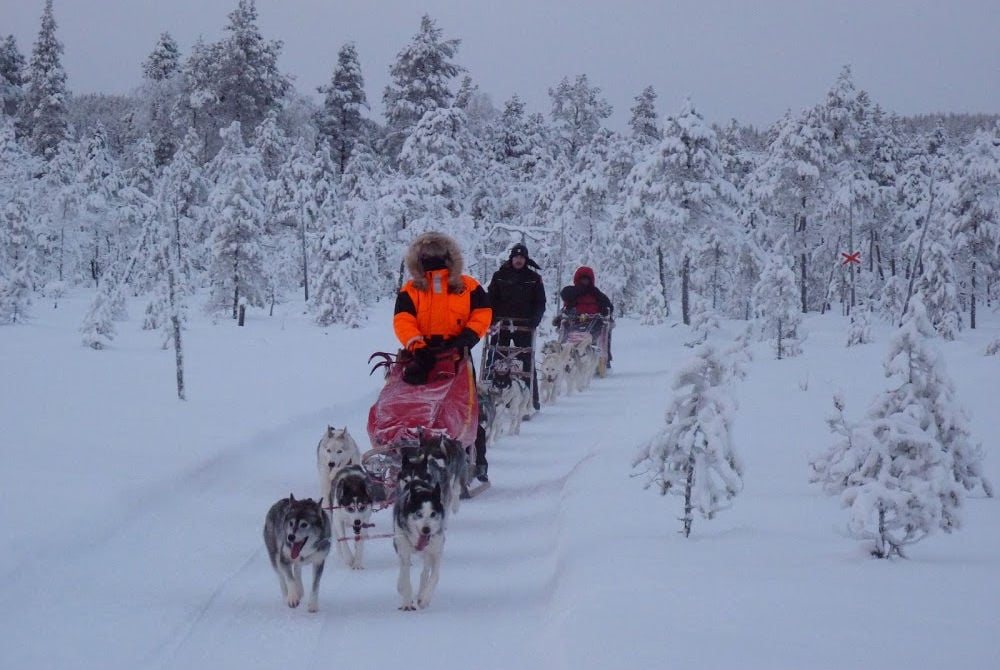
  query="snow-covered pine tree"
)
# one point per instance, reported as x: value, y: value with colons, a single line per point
x: 42, y: 113
x: 976, y: 224
x: 359, y: 208
x: 704, y: 322
x: 99, y: 181
x: 340, y: 122
x: 337, y: 299
x: 98, y: 327
x: 693, y: 456
x: 860, y: 331
x: 439, y: 160
x: 788, y: 185
x: 901, y: 471
x: 299, y: 208
x: 161, y: 73
x: 235, y: 205
x: 18, y: 243
x: 938, y: 283
x: 420, y: 82
x: 578, y: 110
x: 12, y: 76
x: 776, y: 304
x: 645, y: 123
x: 891, y: 475
x: 682, y: 191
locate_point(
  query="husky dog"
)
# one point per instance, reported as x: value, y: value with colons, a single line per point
x: 583, y: 363
x: 511, y: 395
x: 297, y: 532
x: 441, y: 461
x: 354, y: 497
x: 487, y: 409
x: 418, y: 528
x: 553, y: 370
x: 336, y: 450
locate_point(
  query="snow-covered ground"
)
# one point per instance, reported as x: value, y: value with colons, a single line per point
x: 132, y: 521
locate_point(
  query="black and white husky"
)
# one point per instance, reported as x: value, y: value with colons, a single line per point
x: 511, y: 396
x: 418, y: 528
x: 336, y: 450
x: 354, y: 496
x: 441, y: 460
x: 297, y: 532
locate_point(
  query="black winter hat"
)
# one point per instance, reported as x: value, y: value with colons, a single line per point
x: 519, y: 250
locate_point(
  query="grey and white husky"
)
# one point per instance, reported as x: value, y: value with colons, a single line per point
x: 336, y: 450
x: 297, y: 532
x: 418, y: 528
x: 354, y: 496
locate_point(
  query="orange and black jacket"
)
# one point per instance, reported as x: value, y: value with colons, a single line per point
x: 439, y: 315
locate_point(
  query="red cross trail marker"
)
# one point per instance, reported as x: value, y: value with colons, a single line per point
x: 851, y: 258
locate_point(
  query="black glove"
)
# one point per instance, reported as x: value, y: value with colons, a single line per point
x: 465, y: 340
x: 556, y: 320
x: 419, y: 369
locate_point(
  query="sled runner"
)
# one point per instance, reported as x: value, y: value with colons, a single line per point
x: 403, y: 413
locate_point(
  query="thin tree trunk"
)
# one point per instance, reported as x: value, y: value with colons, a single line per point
x: 685, y: 287
x: 972, y: 301
x: 688, y: 489
x: 781, y: 328
x: 305, y: 256
x: 850, y: 250
x: 663, y: 278
x: 236, y: 287
x: 920, y: 248
x: 804, y: 287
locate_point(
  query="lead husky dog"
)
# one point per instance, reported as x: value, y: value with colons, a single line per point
x: 336, y: 450
x: 297, y: 532
x: 353, y: 499
x: 418, y: 528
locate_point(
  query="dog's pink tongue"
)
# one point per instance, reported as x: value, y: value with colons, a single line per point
x: 297, y: 548
x: 422, y: 542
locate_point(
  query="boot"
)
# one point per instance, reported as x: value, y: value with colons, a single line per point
x: 481, y: 472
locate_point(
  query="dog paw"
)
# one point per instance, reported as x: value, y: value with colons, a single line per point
x: 293, y: 601
x: 313, y: 606
x: 423, y: 604
x: 407, y: 607
x: 356, y: 565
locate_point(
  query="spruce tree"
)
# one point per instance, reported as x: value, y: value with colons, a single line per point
x: 578, y: 110
x: 42, y: 114
x: 901, y: 471
x: 12, y: 76
x: 645, y: 123
x: 693, y: 456
x: 340, y: 122
x: 237, y: 271
x: 162, y: 74
x: 776, y: 305
x: 420, y: 82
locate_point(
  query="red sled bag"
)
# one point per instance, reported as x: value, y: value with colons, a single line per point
x: 447, y: 403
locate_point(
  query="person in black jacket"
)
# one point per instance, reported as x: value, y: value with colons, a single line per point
x: 516, y: 292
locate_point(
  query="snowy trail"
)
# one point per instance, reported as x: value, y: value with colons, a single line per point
x: 180, y: 561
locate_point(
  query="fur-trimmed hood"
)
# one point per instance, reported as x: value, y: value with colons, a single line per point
x: 436, y: 245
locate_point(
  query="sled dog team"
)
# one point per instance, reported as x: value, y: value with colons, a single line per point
x: 566, y: 365
x: 301, y: 532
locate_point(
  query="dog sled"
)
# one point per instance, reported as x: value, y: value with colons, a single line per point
x: 508, y: 358
x: 576, y: 328
x: 405, y: 415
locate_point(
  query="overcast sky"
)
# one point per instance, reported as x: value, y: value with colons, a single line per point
x: 749, y: 59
